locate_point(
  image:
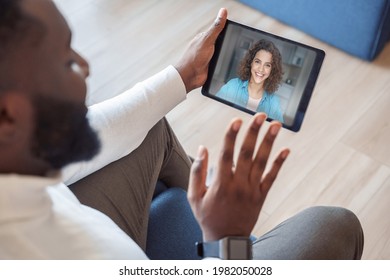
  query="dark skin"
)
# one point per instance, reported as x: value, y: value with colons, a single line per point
x: 232, y: 204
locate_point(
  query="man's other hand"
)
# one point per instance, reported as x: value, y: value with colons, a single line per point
x: 193, y: 66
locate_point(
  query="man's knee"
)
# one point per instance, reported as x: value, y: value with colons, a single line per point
x: 338, y: 217
x: 342, y: 225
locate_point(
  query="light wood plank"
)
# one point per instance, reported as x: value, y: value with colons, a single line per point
x: 371, y: 133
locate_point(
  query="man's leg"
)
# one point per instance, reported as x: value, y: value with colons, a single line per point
x: 315, y: 233
x: 123, y: 189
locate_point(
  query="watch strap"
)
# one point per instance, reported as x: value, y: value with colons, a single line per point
x: 208, y: 249
x: 231, y: 247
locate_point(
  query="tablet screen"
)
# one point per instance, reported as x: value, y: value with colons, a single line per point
x: 255, y: 71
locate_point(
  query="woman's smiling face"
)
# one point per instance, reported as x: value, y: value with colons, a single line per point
x: 261, y: 67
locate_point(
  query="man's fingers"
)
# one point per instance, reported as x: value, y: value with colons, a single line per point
x: 226, y: 157
x: 198, y: 174
x: 218, y: 25
x: 272, y: 174
x: 246, y: 155
x: 262, y: 155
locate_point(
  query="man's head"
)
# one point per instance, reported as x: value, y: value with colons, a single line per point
x: 43, y: 124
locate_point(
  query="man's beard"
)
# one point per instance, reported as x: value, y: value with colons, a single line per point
x: 63, y: 134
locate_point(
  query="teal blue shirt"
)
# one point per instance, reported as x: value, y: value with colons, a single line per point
x: 236, y: 91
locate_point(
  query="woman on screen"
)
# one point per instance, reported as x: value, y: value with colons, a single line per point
x: 260, y: 74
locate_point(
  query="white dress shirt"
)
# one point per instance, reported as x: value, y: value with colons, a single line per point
x: 40, y: 218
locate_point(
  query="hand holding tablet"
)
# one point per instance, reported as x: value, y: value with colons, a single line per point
x: 255, y: 71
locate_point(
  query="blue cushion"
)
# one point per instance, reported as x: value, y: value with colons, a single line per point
x: 359, y: 27
x: 172, y: 229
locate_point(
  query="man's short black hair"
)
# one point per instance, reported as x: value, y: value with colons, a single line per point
x: 17, y: 29
x: 12, y: 22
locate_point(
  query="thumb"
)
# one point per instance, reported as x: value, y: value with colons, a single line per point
x: 198, y: 174
x: 218, y: 25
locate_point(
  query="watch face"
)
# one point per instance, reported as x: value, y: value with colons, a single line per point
x: 239, y: 249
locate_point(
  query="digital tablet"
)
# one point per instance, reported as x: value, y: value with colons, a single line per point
x: 255, y: 71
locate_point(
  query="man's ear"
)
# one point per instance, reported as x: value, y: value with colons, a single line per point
x: 15, y: 115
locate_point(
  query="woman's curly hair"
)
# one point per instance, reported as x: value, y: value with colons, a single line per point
x: 244, y: 72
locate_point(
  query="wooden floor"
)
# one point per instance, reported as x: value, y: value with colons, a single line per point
x: 340, y: 157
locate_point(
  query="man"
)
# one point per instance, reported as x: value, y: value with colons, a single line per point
x: 116, y: 150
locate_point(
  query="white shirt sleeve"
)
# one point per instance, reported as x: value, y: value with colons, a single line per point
x: 123, y: 122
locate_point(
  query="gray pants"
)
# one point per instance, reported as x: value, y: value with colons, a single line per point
x: 123, y: 190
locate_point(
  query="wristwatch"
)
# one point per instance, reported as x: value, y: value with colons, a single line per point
x: 228, y: 248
